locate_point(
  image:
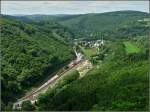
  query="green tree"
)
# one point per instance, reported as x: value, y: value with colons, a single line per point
x: 26, y: 105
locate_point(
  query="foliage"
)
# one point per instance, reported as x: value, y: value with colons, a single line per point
x: 30, y: 52
x: 45, y: 99
x: 131, y: 48
x: 110, y: 25
x: 26, y: 105
x: 39, y: 45
x: 120, y: 84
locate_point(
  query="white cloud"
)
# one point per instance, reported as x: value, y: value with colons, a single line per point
x: 70, y: 7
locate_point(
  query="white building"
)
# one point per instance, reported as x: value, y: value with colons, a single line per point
x: 99, y: 43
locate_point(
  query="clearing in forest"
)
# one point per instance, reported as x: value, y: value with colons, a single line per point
x: 89, y: 51
x: 131, y: 48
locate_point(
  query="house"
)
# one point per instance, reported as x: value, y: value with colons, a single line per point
x: 99, y: 43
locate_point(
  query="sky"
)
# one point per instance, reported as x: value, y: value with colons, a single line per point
x: 70, y: 7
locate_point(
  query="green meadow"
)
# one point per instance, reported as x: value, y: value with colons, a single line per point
x: 89, y: 51
x: 131, y: 48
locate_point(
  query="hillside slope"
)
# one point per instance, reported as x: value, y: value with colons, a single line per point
x: 110, y: 25
x: 119, y: 78
x: 30, y: 52
x: 107, y: 24
x: 119, y: 84
x: 36, y: 45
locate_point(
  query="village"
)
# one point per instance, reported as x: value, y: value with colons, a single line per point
x: 91, y: 49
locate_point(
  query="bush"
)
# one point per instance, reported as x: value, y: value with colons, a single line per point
x: 26, y: 105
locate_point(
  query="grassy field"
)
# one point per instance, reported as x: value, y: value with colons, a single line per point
x: 131, y: 48
x: 89, y: 51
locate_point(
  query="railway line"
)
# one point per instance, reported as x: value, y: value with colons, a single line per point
x: 52, y: 81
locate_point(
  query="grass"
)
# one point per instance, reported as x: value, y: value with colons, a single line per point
x: 89, y: 51
x: 131, y: 48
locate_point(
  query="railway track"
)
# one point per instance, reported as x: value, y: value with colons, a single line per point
x: 33, y: 95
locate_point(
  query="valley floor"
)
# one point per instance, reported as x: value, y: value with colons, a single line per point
x: 82, y: 67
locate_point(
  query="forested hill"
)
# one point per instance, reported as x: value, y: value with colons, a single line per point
x: 118, y: 24
x: 36, y: 45
x: 29, y: 53
x: 118, y: 80
x: 109, y: 25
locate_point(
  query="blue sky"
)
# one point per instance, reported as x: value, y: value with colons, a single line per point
x: 70, y: 7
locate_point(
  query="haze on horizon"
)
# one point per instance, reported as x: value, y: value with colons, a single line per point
x: 70, y: 7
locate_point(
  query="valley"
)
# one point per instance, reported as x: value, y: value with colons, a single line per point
x: 87, y: 62
x: 81, y: 65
